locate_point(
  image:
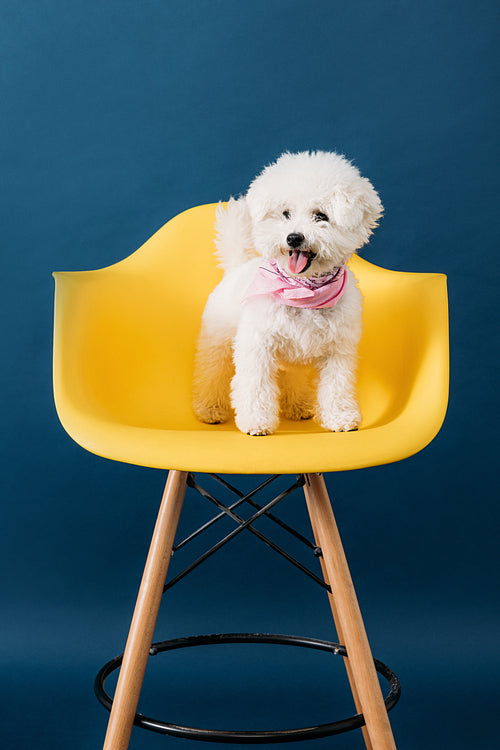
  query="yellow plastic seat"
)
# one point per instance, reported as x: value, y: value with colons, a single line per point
x: 124, y: 346
x: 123, y: 359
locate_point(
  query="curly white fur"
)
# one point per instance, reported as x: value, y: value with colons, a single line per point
x: 255, y: 358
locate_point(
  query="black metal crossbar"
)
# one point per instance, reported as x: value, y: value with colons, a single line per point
x: 271, y: 516
x: 243, y: 498
x: 243, y: 524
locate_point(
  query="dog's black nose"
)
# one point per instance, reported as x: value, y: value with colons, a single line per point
x: 295, y: 239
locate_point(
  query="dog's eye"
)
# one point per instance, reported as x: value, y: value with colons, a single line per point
x: 320, y: 216
x: 286, y: 214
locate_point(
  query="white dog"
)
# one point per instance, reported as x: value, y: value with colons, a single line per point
x: 287, y: 300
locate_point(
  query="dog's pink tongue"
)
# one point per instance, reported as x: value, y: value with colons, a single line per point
x: 297, y: 261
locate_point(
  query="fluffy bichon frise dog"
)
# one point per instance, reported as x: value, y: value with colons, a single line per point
x: 287, y: 303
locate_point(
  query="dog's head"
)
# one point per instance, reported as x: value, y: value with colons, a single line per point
x: 311, y: 211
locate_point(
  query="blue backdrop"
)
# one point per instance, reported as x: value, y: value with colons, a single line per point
x: 115, y: 117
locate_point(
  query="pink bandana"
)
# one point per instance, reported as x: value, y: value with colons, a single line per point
x: 316, y: 292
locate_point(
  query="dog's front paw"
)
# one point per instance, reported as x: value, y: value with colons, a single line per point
x: 341, y: 421
x: 255, y: 426
x: 340, y: 425
x: 259, y: 431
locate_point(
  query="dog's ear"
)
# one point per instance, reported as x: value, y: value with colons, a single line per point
x: 357, y: 205
x: 233, y: 227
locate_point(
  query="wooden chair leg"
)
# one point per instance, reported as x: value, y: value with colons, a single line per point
x: 143, y: 624
x: 338, y: 626
x: 349, y: 622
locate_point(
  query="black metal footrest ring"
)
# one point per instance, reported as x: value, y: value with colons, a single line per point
x: 248, y: 737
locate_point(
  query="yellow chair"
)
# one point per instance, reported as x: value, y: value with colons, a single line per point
x: 124, y: 347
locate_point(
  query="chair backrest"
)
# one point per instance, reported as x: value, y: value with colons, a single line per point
x: 125, y: 335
